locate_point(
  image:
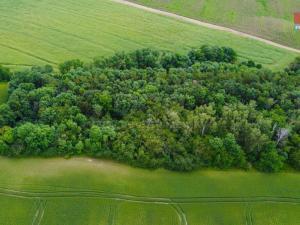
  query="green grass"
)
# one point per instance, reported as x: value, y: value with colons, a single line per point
x: 271, y: 19
x: 3, y: 92
x: 35, y: 32
x: 83, y: 191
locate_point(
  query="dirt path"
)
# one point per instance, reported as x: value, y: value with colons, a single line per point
x: 204, y: 24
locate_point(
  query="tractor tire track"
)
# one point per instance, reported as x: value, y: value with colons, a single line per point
x: 38, y: 217
x: 78, y: 37
x: 47, y: 42
x: 180, y: 213
x: 248, y: 215
x: 72, y: 35
x: 112, y: 214
x: 16, y: 64
x: 144, y: 199
x: 125, y: 28
x: 28, y: 54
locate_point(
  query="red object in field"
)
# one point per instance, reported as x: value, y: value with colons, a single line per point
x: 297, y: 18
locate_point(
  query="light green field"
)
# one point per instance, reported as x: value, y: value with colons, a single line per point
x: 271, y: 19
x: 35, y: 32
x: 3, y: 92
x: 84, y: 191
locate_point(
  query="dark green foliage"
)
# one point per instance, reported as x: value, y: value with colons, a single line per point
x: 69, y: 65
x: 213, y: 53
x: 294, y: 149
x: 270, y: 160
x: 251, y: 63
x: 32, y: 139
x: 157, y: 109
x: 226, y: 152
x: 148, y: 58
x: 294, y: 67
x: 5, y: 74
x: 295, y: 158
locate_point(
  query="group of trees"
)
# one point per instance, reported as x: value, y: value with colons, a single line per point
x: 157, y: 109
x: 148, y: 58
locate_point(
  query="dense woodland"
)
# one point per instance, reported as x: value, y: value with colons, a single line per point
x: 155, y: 109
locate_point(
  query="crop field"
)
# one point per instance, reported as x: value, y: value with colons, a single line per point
x: 85, y: 191
x: 271, y: 19
x: 35, y: 32
x: 3, y: 92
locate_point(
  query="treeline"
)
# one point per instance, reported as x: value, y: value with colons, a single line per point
x: 158, y: 109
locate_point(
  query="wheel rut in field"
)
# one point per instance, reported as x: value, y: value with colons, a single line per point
x: 16, y: 64
x: 113, y: 209
x: 39, y: 214
x: 180, y: 213
x: 248, y: 215
x: 144, y: 199
x: 28, y: 54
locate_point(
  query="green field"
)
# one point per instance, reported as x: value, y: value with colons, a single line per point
x: 270, y: 19
x: 3, y: 92
x: 35, y: 32
x: 87, y: 192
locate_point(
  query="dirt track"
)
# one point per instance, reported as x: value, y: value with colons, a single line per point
x: 204, y: 24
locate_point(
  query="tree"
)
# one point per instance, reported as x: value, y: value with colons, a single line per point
x: 100, y: 139
x: 69, y: 65
x: 7, y: 116
x: 32, y: 139
x: 294, y: 67
x: 202, y: 120
x: 235, y: 151
x: 146, y: 58
x: 270, y: 160
x: 171, y: 60
x: 226, y: 152
x: 213, y: 53
x: 295, y: 158
x: 5, y: 74
x: 221, y: 158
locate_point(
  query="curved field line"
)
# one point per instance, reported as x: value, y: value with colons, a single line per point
x: 28, y: 54
x: 205, y: 24
x: 42, y: 213
x: 64, y: 33
x: 112, y: 214
x: 144, y: 199
x: 180, y: 213
x: 248, y: 215
x: 82, y: 38
x: 38, y: 216
x: 36, y: 212
x: 148, y: 34
x: 15, y: 64
x: 54, y: 45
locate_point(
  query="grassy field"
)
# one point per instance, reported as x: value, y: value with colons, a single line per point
x: 271, y: 19
x: 85, y: 191
x: 3, y: 92
x: 35, y: 32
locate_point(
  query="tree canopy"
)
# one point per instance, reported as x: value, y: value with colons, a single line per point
x: 155, y: 109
